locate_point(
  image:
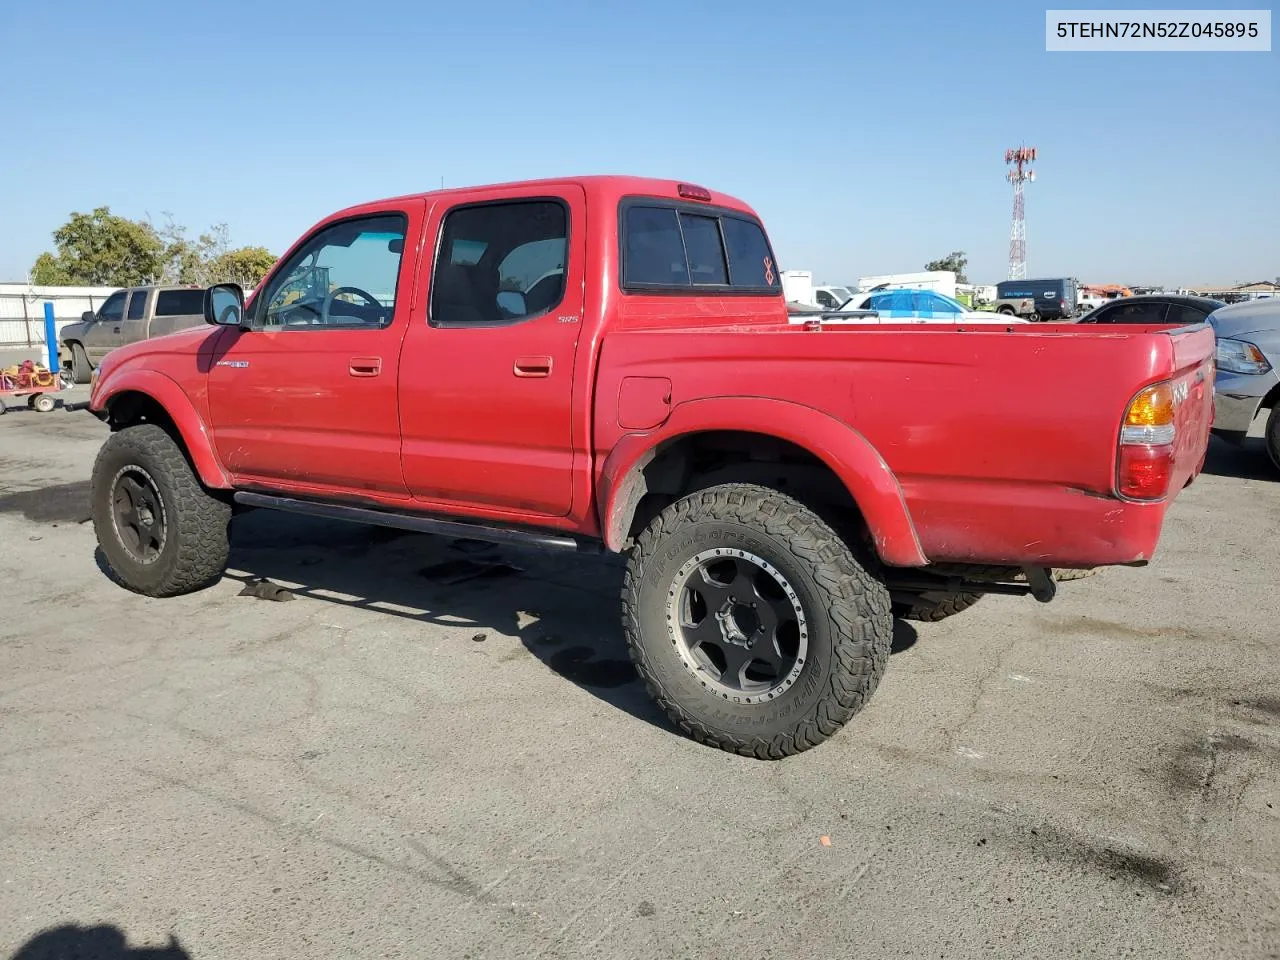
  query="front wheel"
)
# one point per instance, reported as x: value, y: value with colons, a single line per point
x: 161, y: 532
x: 81, y: 369
x: 751, y: 622
x: 933, y: 610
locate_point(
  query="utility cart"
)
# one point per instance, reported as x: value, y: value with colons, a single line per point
x: 35, y: 382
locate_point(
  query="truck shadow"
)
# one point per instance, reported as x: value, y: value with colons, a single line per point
x: 562, y: 607
x: 102, y: 942
x: 1247, y: 461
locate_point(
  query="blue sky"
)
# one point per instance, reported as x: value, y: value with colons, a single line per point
x: 869, y: 136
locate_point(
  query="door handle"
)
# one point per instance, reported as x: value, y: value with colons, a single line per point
x: 533, y: 367
x: 115, y: 329
x: 365, y: 366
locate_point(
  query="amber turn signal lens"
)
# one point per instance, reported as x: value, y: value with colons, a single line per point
x: 1153, y: 407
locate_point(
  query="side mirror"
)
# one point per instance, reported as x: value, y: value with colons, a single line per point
x: 224, y: 305
x: 87, y: 317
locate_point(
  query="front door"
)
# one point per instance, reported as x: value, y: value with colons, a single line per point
x: 486, y: 380
x: 305, y: 398
x: 104, y: 334
x: 134, y: 327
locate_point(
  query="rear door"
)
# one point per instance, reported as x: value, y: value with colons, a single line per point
x: 486, y: 378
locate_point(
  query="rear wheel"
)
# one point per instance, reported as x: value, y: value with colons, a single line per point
x: 751, y: 622
x: 43, y: 403
x: 161, y: 532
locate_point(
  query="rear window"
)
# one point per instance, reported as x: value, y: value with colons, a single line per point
x: 176, y: 303
x: 677, y: 250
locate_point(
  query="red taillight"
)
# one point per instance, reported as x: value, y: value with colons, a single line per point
x: 1145, y: 471
x: 1145, y: 463
x: 690, y: 192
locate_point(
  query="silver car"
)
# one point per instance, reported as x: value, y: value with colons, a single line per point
x: 1247, y: 383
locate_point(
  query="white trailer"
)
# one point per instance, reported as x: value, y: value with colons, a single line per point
x: 797, y: 287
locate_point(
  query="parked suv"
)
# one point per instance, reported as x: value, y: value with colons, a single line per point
x: 1053, y: 299
x: 127, y: 316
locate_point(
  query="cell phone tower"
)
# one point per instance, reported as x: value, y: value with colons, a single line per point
x: 1018, y: 174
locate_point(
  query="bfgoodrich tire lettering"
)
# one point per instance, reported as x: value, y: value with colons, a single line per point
x: 141, y: 470
x: 845, y: 615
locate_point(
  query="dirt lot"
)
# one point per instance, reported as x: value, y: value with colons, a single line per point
x: 396, y: 765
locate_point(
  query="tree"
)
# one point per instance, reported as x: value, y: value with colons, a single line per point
x: 101, y: 249
x: 245, y: 266
x: 955, y: 261
x: 48, y: 272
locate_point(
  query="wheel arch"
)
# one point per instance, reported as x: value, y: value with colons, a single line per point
x: 819, y: 453
x: 145, y: 396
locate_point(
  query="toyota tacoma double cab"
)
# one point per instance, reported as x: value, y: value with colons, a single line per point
x: 606, y: 364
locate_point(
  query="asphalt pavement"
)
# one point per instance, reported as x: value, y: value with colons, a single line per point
x: 438, y: 749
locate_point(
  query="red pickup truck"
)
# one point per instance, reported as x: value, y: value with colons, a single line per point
x: 606, y: 363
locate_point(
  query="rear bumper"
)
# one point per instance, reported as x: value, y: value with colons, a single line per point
x: 1034, y: 525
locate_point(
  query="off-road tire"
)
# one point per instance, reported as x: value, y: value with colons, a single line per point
x: 846, y: 609
x: 931, y: 611
x: 81, y: 370
x: 196, y: 547
x: 1272, y: 436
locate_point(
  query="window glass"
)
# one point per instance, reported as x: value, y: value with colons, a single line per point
x: 113, y: 309
x: 654, y: 250
x: 137, y: 304
x: 501, y: 262
x: 826, y: 300
x: 177, y: 303
x: 1183, y: 313
x: 344, y: 277
x: 706, y: 254
x: 750, y: 262
x: 945, y: 305
x: 1146, y: 311
x: 880, y: 301
x: 535, y: 271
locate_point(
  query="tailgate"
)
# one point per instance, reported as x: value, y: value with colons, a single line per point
x: 1193, y: 363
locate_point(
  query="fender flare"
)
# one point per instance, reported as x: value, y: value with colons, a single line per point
x: 173, y: 399
x: 847, y: 452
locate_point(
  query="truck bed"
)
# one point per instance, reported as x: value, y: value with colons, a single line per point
x: 1003, y: 440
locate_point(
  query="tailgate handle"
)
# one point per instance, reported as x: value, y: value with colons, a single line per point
x: 365, y: 366
x: 533, y: 367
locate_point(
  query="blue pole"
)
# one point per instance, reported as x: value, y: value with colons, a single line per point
x: 51, y: 336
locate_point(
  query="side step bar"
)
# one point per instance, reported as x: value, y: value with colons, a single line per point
x: 417, y: 523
